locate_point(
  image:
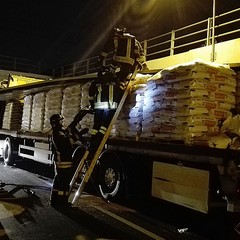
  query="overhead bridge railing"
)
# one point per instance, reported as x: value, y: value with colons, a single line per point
x: 19, y: 64
x: 177, y: 40
x: 226, y: 27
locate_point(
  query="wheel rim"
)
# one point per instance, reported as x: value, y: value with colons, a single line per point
x: 110, y: 177
x: 7, y: 150
x: 111, y: 183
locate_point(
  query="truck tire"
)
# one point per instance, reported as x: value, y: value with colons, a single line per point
x: 111, y: 177
x: 9, y: 154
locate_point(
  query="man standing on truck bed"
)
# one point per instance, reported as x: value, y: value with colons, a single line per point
x: 127, y: 54
x: 106, y: 91
x: 64, y: 145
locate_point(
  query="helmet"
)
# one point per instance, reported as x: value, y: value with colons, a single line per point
x: 55, y: 119
x: 119, y: 31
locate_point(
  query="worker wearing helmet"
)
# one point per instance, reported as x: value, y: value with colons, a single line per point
x: 127, y: 53
x: 103, y: 97
x: 63, y: 146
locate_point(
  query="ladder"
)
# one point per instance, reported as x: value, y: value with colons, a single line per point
x: 83, y: 169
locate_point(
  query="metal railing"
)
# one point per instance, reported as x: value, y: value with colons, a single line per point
x: 226, y: 27
x: 19, y: 64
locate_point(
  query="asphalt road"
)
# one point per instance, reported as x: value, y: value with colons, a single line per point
x: 27, y: 214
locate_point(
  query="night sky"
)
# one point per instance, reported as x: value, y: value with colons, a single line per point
x: 57, y: 32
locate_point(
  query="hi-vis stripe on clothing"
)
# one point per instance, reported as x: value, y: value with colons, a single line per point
x: 110, y: 93
x: 61, y: 193
x: 64, y: 164
x: 123, y: 85
x: 99, y: 95
x: 103, y: 130
x: 94, y: 132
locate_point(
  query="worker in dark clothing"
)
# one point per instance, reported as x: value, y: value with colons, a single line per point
x: 127, y: 53
x: 103, y: 97
x: 63, y: 144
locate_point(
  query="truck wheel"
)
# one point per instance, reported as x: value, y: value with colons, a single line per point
x: 8, y: 154
x: 111, y: 177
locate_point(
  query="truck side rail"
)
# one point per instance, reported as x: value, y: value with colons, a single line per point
x: 30, y: 135
x: 18, y: 92
x: 176, y: 150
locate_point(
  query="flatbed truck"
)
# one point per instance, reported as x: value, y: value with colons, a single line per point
x: 199, y: 178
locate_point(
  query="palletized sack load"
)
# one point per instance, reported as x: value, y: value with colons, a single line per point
x: 53, y: 105
x: 71, y: 102
x: 38, y: 111
x: 87, y: 121
x: 85, y: 95
x: 27, y: 113
x: 129, y: 121
x: 186, y: 102
x: 12, y: 115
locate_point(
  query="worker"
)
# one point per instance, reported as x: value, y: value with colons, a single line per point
x: 127, y: 53
x: 63, y: 146
x: 103, y: 97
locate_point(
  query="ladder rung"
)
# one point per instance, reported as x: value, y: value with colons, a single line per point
x: 78, y: 170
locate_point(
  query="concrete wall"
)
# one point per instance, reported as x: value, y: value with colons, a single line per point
x: 225, y: 53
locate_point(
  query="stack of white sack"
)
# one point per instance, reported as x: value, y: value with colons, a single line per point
x: 38, y: 110
x: 27, y: 113
x: 70, y: 103
x: 53, y: 105
x: 12, y: 114
x: 87, y: 121
x: 129, y: 121
x: 186, y: 102
x: 85, y: 95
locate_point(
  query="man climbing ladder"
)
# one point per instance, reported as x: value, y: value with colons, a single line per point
x: 107, y: 95
x: 91, y: 155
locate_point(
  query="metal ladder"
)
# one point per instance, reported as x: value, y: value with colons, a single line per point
x: 86, y: 171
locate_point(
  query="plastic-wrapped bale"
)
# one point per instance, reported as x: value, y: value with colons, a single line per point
x: 161, y: 120
x: 70, y: 103
x: 53, y: 105
x: 135, y: 116
x: 85, y: 94
x: 129, y: 122
x: 27, y: 113
x: 38, y: 111
x: 87, y: 122
x: 120, y: 127
x: 13, y: 115
x: 187, y: 102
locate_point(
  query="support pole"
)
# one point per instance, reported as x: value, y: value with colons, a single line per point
x: 213, y: 31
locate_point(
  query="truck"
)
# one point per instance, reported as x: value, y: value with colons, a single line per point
x: 175, y: 139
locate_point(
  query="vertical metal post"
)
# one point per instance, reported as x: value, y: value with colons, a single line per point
x: 87, y: 66
x: 14, y: 64
x: 213, y: 31
x: 74, y: 69
x: 39, y: 67
x: 145, y: 48
x: 172, y: 43
x: 208, y: 32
